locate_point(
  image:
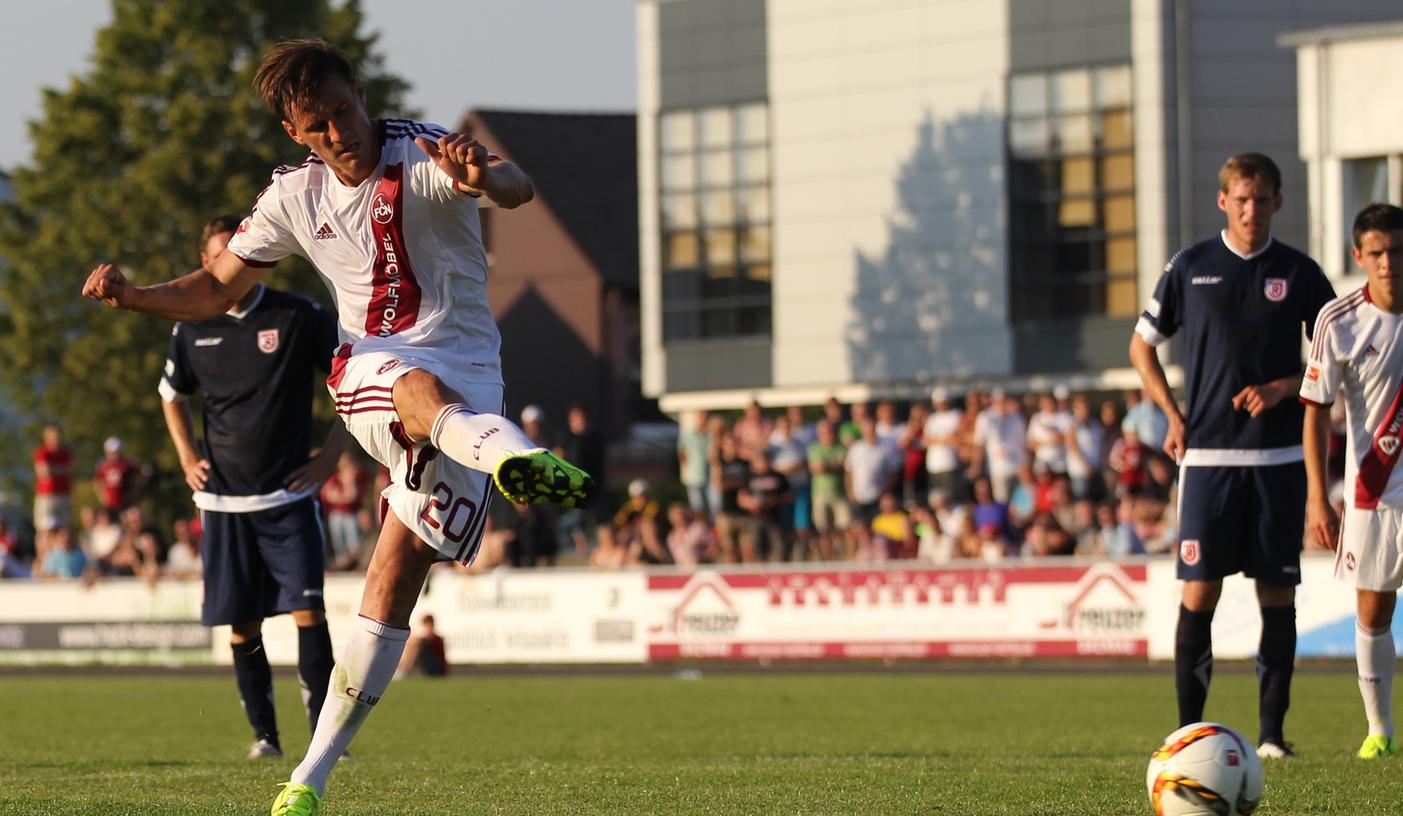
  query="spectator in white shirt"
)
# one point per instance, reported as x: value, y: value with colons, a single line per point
x: 942, y: 438
x: 1047, y: 434
x: 1000, y: 436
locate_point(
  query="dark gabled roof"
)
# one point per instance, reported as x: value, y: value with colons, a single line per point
x: 585, y: 167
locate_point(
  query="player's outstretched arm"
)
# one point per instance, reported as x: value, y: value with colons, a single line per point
x: 200, y: 295
x: 463, y: 159
x: 1146, y: 361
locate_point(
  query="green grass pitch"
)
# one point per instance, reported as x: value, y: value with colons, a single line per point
x: 1032, y: 743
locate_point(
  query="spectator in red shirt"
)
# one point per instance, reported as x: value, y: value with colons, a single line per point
x: 117, y: 478
x: 53, y: 488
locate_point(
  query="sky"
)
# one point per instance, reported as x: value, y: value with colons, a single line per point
x: 580, y: 59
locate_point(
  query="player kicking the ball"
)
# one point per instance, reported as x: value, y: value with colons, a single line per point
x: 1357, y: 355
x: 387, y: 213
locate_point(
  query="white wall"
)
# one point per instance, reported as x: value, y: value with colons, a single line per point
x: 889, y: 215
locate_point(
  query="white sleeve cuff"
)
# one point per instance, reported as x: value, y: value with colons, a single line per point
x: 1150, y: 334
x: 168, y: 392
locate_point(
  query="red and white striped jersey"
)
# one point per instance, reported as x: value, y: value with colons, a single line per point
x: 1357, y: 355
x: 402, y: 252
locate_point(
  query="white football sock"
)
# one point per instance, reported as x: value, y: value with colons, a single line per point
x: 366, y: 666
x: 1374, y: 652
x: 478, y: 441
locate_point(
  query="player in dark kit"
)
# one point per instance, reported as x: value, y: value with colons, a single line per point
x: 1238, y: 302
x: 254, y: 482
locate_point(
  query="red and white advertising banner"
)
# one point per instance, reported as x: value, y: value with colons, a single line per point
x: 1095, y: 610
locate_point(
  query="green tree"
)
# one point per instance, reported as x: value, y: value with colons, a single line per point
x: 162, y: 132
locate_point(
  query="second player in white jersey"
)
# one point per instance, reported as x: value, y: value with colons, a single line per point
x: 1356, y: 356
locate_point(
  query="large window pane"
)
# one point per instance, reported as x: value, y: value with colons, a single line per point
x: 1071, y: 183
x: 716, y: 127
x: 1027, y: 95
x: 714, y: 171
x: 678, y: 131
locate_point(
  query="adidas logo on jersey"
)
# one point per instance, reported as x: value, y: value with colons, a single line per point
x: 1371, y: 351
x: 325, y: 232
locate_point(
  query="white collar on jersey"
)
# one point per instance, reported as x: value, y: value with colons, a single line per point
x: 1249, y: 256
x: 238, y: 315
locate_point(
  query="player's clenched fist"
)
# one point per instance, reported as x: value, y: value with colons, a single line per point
x: 107, y: 284
x: 461, y: 157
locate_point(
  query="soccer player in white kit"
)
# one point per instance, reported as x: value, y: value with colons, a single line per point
x: 1357, y: 356
x: 387, y: 213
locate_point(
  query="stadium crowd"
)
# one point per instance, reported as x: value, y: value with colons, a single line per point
x: 982, y: 475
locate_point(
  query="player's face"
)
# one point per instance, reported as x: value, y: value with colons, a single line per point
x: 1250, y: 204
x: 336, y: 127
x: 1381, y: 256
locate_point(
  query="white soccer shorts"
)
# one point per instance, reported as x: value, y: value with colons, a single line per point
x: 440, y: 500
x: 1370, y: 554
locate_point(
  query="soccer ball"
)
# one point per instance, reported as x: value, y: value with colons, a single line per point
x: 1204, y: 769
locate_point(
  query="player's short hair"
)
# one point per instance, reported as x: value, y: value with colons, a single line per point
x: 293, y: 72
x: 1252, y: 167
x: 218, y: 224
x: 1381, y: 217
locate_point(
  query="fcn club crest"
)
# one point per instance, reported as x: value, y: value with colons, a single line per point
x: 1188, y: 551
x: 268, y: 341
x: 1275, y: 289
x: 382, y: 211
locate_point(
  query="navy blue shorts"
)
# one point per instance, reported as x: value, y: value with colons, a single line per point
x: 262, y: 563
x: 1242, y: 519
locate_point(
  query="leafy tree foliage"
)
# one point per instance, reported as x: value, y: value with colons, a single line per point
x: 161, y: 133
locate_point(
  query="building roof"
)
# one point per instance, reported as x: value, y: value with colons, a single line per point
x: 1359, y: 31
x: 585, y: 167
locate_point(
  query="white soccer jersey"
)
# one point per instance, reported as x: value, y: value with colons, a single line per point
x: 1357, y: 355
x: 402, y: 252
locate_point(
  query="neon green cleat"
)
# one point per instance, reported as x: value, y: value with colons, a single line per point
x: 297, y: 800
x: 539, y: 476
x: 1377, y: 746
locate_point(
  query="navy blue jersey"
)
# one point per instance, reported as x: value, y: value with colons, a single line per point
x: 255, y: 373
x: 1239, y: 322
